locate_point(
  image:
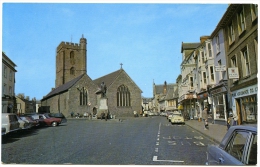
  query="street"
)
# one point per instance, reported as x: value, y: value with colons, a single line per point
x: 134, y: 141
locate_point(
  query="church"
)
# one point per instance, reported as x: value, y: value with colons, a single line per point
x: 76, y: 92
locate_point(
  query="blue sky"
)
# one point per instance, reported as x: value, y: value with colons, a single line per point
x: 145, y: 37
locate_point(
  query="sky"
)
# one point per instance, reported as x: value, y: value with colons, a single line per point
x: 145, y: 37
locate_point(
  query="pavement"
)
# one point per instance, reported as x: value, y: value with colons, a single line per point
x: 216, y: 132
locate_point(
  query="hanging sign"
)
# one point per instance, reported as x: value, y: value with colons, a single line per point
x: 233, y: 73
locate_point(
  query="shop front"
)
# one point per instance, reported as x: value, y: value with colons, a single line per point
x: 187, y: 102
x: 245, y: 104
x: 219, y: 104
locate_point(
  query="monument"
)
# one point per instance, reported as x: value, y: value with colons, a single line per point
x: 102, y: 111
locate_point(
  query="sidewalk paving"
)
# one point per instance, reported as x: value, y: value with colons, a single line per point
x: 216, y: 132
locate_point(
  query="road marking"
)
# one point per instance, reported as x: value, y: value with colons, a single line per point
x: 167, y: 137
x: 188, y: 138
x: 157, y: 143
x: 155, y: 159
x: 172, y: 142
x: 176, y: 137
x: 156, y: 150
x: 158, y: 139
x: 189, y: 143
x: 199, y: 143
x: 198, y: 137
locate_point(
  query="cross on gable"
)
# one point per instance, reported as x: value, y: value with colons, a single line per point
x: 121, y: 65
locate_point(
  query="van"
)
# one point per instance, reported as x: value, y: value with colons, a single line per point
x: 9, y: 123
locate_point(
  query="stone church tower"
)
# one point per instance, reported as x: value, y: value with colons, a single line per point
x: 71, y: 60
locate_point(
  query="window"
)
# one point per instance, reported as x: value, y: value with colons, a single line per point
x: 202, y: 57
x: 11, y: 75
x: 10, y: 91
x: 220, y: 73
x: 231, y: 34
x: 245, y: 62
x: 254, y: 11
x: 123, y: 96
x: 83, y: 98
x: 252, y: 159
x: 209, y: 49
x: 72, y: 71
x: 249, y: 109
x: 241, y: 21
x: 234, y: 61
x: 204, y: 78
x: 4, y: 89
x: 191, y: 82
x: 72, y: 59
x: 5, y: 71
x: 220, y: 109
x: 256, y: 51
x: 236, y: 145
x: 211, y: 70
x: 217, y: 44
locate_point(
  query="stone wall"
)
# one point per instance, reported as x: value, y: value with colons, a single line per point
x: 135, y: 92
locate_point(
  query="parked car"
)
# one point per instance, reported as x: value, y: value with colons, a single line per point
x: 29, y: 118
x: 24, y: 124
x: 238, y: 147
x: 45, y: 119
x: 58, y: 115
x: 177, y: 118
x: 9, y: 123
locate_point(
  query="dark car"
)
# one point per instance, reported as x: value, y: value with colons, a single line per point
x: 45, y: 119
x: 58, y: 115
x: 238, y: 147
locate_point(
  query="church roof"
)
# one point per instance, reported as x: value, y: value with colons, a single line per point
x: 108, y: 79
x: 63, y: 87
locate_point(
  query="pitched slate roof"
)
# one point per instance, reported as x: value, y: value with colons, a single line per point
x: 63, y: 87
x: 108, y: 79
x: 189, y: 46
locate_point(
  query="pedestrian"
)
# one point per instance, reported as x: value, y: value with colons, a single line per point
x: 199, y: 116
x: 71, y: 114
x: 205, y: 118
x: 229, y: 123
x: 235, y: 118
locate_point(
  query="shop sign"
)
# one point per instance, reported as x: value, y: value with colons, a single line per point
x: 220, y: 68
x: 246, y: 91
x: 215, y: 91
x: 233, y: 73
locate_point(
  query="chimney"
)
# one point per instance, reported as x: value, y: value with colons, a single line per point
x: 165, y: 87
x: 203, y: 38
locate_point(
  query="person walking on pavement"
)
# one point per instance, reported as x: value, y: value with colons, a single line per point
x: 235, y: 118
x: 205, y: 118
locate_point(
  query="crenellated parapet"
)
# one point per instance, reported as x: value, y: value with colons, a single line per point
x: 68, y: 45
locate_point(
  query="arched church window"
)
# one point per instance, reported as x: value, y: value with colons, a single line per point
x: 123, y: 96
x: 72, y: 59
x: 83, y: 97
x: 72, y: 71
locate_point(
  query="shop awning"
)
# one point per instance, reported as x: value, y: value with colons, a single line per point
x: 180, y: 107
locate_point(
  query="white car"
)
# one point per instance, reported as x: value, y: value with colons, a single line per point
x: 177, y: 118
x: 9, y: 123
x: 24, y: 124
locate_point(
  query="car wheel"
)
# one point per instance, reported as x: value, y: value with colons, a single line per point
x: 54, y: 124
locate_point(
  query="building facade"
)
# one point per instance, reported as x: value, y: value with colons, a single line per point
x: 240, y: 24
x: 8, y: 85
